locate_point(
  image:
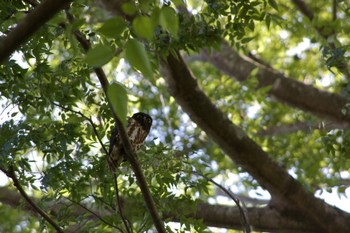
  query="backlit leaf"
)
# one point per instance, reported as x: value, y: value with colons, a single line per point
x: 99, y: 55
x: 113, y: 27
x: 143, y: 27
x: 169, y: 20
x: 136, y: 55
x: 118, y: 97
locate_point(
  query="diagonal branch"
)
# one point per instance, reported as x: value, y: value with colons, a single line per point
x: 245, y: 152
x: 11, y: 174
x: 301, y: 126
x: 130, y: 154
x: 287, y: 90
x: 89, y: 120
x: 304, y: 9
x: 244, y: 219
x: 29, y: 25
x: 325, y: 34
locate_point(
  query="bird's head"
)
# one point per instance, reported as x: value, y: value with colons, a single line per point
x: 144, y: 119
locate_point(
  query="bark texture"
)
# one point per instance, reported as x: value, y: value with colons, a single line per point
x: 287, y: 192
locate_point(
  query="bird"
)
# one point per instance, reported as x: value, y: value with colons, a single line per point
x: 138, y: 128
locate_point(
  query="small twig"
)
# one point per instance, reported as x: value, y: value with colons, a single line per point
x: 90, y: 121
x: 244, y: 218
x: 11, y: 173
x: 161, y: 98
x: 334, y: 10
x: 93, y: 213
x: 119, y: 207
x: 109, y: 205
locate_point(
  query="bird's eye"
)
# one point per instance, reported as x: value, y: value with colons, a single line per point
x: 149, y: 120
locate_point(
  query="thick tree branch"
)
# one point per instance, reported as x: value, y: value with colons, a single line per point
x: 294, y: 93
x: 29, y: 25
x: 245, y: 152
x: 261, y: 219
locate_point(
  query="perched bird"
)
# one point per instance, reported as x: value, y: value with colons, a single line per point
x: 137, y: 129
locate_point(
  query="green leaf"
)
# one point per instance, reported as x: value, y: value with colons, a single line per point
x: 129, y: 8
x: 247, y: 39
x: 273, y: 4
x: 99, y: 55
x: 118, y: 98
x: 268, y: 21
x: 143, y: 27
x: 169, y: 21
x: 136, y: 55
x: 113, y: 27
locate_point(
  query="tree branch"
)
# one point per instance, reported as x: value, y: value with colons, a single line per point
x: 334, y: 10
x: 245, y: 152
x: 287, y: 90
x: 119, y: 205
x: 325, y: 34
x: 304, y: 9
x: 29, y: 25
x: 244, y: 218
x: 130, y: 154
x: 301, y: 126
x: 89, y: 120
x: 261, y: 219
x: 11, y: 174
x: 94, y: 214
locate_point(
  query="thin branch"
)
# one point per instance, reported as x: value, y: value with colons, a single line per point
x: 120, y: 211
x: 89, y: 120
x: 109, y: 205
x: 334, y: 10
x: 246, y: 199
x: 29, y: 25
x: 167, y: 119
x: 325, y: 34
x: 94, y: 214
x: 129, y: 153
x: 301, y: 126
x: 11, y: 173
x: 244, y: 217
x: 304, y: 9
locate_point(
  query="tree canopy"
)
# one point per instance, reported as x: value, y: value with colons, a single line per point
x: 248, y: 98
